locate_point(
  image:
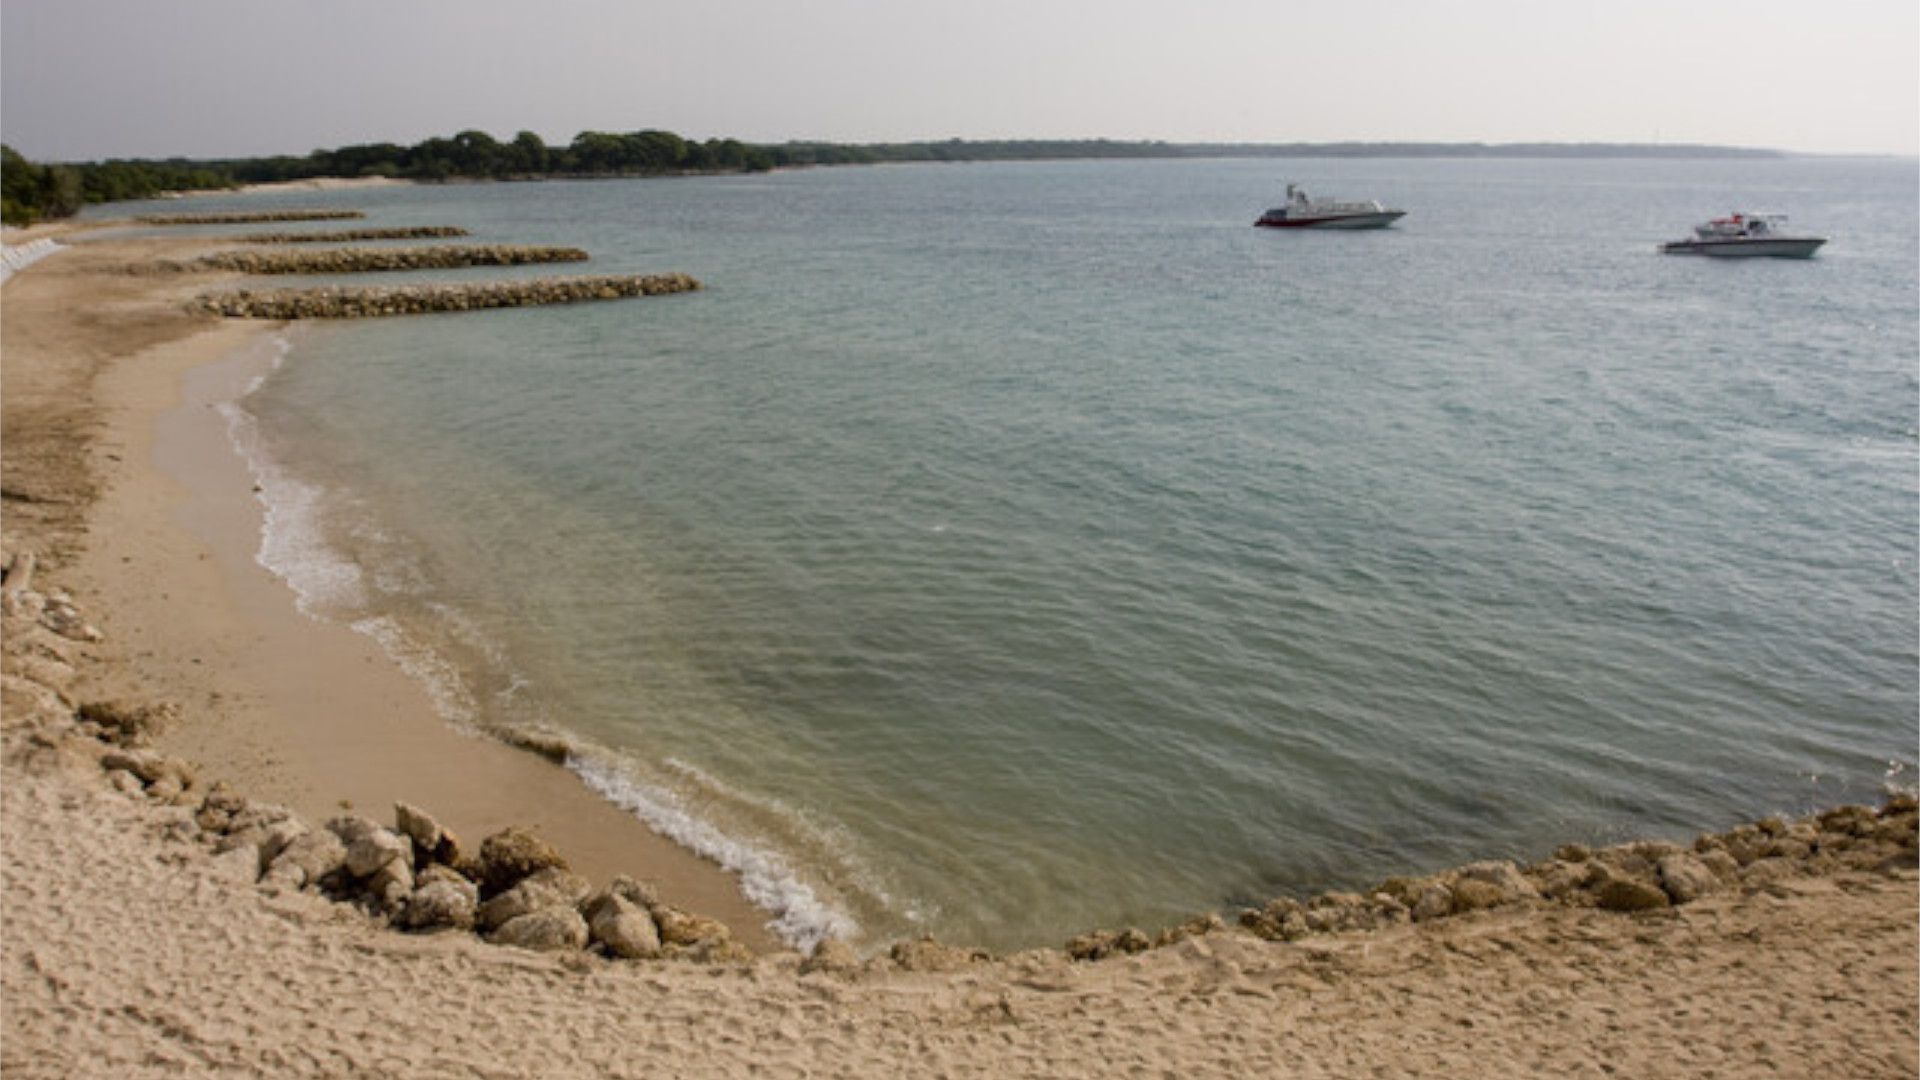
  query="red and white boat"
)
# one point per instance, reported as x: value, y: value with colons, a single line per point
x: 1303, y: 211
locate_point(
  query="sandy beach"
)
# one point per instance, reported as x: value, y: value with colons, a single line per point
x: 133, y: 946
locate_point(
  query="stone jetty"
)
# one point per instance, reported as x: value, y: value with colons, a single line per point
x: 341, y: 302
x: 343, y: 236
x: 243, y: 217
x: 359, y: 260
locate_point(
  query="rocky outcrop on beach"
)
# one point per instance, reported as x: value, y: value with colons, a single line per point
x: 241, y: 217
x: 363, y: 260
x: 343, y: 236
x: 374, y: 301
x: 413, y: 875
x: 1643, y: 876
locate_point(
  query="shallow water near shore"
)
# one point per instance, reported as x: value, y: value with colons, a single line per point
x: 1006, y: 550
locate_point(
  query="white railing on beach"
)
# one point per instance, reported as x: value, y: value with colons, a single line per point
x: 19, y: 257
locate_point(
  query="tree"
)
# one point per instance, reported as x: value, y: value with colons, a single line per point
x: 529, y: 153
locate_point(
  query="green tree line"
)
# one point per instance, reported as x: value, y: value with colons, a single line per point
x: 33, y: 192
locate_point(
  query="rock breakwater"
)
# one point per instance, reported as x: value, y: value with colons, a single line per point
x: 1627, y: 878
x: 339, y: 302
x: 341, y: 236
x: 242, y: 217
x: 361, y: 260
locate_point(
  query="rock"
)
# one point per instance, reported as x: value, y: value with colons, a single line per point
x: 276, y: 837
x: 833, y: 958
x: 1849, y: 821
x: 218, y: 807
x: 679, y: 928
x: 1629, y: 894
x: 1501, y: 874
x: 512, y: 854
x: 1686, y: 878
x: 238, y: 216
x: 362, y: 302
x: 1557, y: 879
x: 353, y: 827
x: 307, y: 859
x: 443, y: 902
x: 1435, y: 901
x: 125, y: 782
x: 640, y: 893
x: 1903, y: 802
x: 1472, y: 894
x: 624, y: 928
x: 1724, y: 866
x: 1198, y: 926
x: 148, y: 765
x: 253, y: 826
x: 370, y: 852
x: 926, y: 954
x: 1789, y: 848
x: 128, y: 723
x: 551, y: 887
x: 432, y: 842
x: 239, y: 863
x: 391, y: 886
x: 550, y: 930
x: 164, y: 789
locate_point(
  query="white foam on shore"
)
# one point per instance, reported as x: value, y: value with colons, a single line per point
x: 800, y: 917
x: 292, y: 546
x: 445, y: 686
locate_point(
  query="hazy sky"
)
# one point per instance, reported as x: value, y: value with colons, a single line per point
x: 153, y: 78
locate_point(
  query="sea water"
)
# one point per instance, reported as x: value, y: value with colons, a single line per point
x: 1007, y: 550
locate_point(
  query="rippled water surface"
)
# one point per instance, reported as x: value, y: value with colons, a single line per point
x: 1004, y: 550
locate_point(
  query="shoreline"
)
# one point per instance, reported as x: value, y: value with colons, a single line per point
x: 131, y: 950
x: 294, y: 709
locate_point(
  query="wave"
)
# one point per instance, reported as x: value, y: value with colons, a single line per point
x: 800, y: 917
x: 292, y: 545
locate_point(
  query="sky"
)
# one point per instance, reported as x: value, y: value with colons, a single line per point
x: 87, y: 79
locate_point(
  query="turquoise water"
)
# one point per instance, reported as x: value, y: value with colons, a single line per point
x: 1005, y: 550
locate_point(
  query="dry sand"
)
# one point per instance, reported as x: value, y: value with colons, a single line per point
x: 127, y: 950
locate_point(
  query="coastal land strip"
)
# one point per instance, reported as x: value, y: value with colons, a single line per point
x: 174, y: 735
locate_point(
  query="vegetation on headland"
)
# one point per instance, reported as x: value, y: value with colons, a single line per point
x: 34, y: 192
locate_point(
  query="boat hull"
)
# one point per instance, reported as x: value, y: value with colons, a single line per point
x: 1778, y: 247
x: 1334, y: 221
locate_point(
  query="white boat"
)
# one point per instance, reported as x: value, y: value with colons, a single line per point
x: 1303, y: 211
x: 1746, y: 234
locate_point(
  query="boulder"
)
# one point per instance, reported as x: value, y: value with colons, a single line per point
x: 1501, y: 874
x: 442, y: 902
x: 308, y: 858
x: 1472, y: 894
x: 218, y: 807
x: 926, y: 954
x: 679, y: 928
x: 551, y: 887
x: 391, y: 886
x: 550, y: 930
x: 372, y: 851
x: 640, y: 893
x: 1434, y: 901
x: 833, y: 958
x: 512, y: 854
x: 432, y: 842
x: 1629, y: 894
x: 624, y: 929
x: 1686, y: 878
